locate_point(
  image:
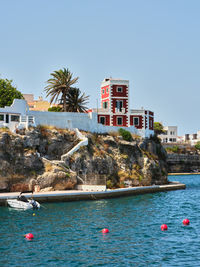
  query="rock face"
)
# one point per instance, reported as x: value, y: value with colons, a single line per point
x: 21, y: 163
x: 107, y: 159
x: 118, y: 163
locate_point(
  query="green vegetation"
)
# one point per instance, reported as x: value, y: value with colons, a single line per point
x: 8, y: 93
x: 109, y: 184
x: 174, y: 149
x: 158, y: 128
x: 126, y: 135
x: 71, y: 98
x: 197, y: 146
x: 55, y: 109
x: 155, y: 138
x: 60, y: 83
x: 75, y: 101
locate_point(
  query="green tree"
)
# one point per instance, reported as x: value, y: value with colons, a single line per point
x: 75, y: 102
x: 55, y: 109
x: 158, y: 128
x: 60, y: 83
x: 8, y: 93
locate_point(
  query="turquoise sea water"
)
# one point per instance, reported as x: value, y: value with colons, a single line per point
x: 68, y: 234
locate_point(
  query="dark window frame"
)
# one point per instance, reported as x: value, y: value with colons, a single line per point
x: 121, y: 89
x: 104, y: 119
x: 1, y: 116
x: 14, y: 118
x: 118, y: 121
x: 138, y: 121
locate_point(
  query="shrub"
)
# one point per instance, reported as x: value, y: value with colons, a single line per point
x: 174, y: 149
x: 109, y: 184
x: 55, y: 109
x: 126, y: 135
x: 197, y: 146
x: 155, y: 138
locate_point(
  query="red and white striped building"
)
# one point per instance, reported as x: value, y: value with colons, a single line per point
x: 115, y: 110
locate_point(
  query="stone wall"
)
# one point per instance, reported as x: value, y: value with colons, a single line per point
x: 183, y: 163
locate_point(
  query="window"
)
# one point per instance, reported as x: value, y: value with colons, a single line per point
x: 105, y: 104
x: 1, y: 117
x: 106, y: 90
x: 103, y: 91
x: 14, y: 118
x: 7, y: 118
x: 102, y: 120
x: 119, y: 89
x: 136, y: 121
x: 119, y: 105
x: 119, y: 120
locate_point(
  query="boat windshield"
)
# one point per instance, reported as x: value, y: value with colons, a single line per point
x: 22, y: 198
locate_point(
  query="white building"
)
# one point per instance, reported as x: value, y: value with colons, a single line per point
x: 170, y: 135
x: 192, y: 138
x: 18, y: 116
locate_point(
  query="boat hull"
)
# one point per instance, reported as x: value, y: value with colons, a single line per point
x: 17, y: 204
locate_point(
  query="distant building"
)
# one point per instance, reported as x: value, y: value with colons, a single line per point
x: 28, y: 97
x: 38, y: 105
x: 170, y: 135
x: 192, y: 138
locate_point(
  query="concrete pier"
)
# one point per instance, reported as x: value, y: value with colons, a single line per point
x: 75, y: 195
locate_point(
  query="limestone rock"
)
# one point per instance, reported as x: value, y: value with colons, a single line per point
x: 4, y: 185
x: 58, y: 180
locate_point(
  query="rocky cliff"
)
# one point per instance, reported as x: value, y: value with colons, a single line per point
x: 182, y: 158
x: 30, y: 160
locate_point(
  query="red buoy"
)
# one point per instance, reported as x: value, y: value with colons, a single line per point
x: 29, y: 236
x: 186, y: 222
x: 105, y: 231
x: 164, y: 227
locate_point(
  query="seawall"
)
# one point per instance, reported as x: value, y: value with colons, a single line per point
x: 75, y: 195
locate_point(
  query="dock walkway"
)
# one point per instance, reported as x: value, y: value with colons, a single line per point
x: 75, y: 195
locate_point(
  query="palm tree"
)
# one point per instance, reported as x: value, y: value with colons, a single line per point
x: 60, y: 84
x: 76, y: 102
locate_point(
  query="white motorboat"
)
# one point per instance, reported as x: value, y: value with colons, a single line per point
x: 21, y: 202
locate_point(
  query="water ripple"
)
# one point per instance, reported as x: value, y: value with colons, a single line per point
x: 69, y: 234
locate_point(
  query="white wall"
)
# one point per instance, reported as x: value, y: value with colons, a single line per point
x: 82, y: 121
x: 18, y: 106
x: 71, y: 120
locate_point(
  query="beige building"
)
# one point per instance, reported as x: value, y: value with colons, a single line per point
x: 37, y: 105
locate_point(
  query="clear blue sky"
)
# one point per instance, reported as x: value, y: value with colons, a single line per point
x: 155, y: 44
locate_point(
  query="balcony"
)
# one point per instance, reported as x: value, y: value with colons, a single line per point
x: 120, y: 111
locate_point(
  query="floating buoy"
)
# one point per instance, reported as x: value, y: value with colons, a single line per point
x: 29, y: 236
x: 186, y: 222
x: 105, y: 231
x: 164, y: 227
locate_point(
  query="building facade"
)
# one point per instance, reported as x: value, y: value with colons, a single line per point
x: 114, y: 113
x: 115, y: 109
x: 170, y: 135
